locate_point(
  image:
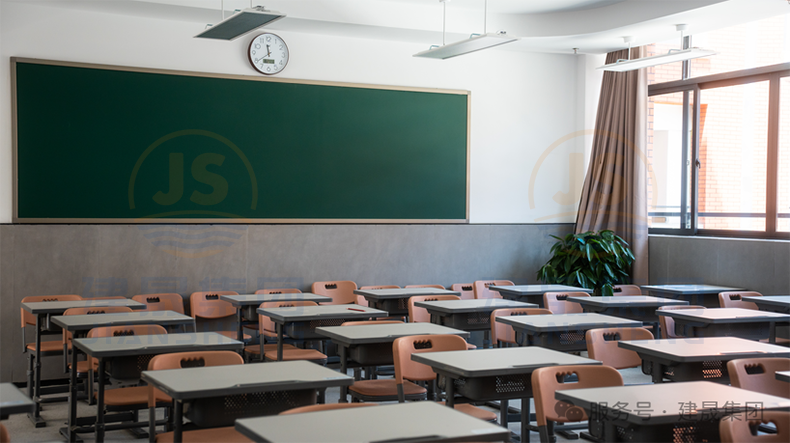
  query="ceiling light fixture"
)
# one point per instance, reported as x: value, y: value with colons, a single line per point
x: 240, y: 23
x: 475, y: 42
x: 674, y: 55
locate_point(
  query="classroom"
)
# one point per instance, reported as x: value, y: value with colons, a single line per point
x: 139, y: 158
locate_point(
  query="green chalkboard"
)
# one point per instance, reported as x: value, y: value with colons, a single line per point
x: 108, y: 144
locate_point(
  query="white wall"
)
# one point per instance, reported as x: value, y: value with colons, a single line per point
x: 522, y: 103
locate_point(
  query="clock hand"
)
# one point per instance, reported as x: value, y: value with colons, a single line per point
x: 269, y: 51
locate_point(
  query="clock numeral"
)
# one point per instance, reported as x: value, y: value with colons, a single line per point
x: 257, y: 46
x: 268, y: 69
x: 281, y: 47
x: 253, y: 52
x: 281, y: 62
x: 268, y: 39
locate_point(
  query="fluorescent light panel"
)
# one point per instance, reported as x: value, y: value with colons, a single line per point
x: 462, y: 47
x: 241, y: 23
x: 661, y: 59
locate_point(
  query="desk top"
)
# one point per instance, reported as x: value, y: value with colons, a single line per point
x: 59, y: 307
x: 257, y: 299
x: 304, y: 313
x: 783, y: 375
x: 563, y: 322
x: 724, y: 315
x: 475, y: 305
x: 499, y: 361
x: 537, y: 289
x: 627, y: 301
x: 216, y: 381
x: 671, y: 402
x: 84, y: 322
x: 13, y: 401
x: 401, y: 422
x: 107, y: 347
x: 384, y: 294
x: 684, y: 350
x: 770, y: 300
x: 691, y: 289
x: 367, y: 334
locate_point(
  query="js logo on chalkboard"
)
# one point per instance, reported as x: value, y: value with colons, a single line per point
x: 192, y: 174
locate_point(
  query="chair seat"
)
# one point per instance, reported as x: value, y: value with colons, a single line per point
x: 82, y: 366
x: 48, y: 346
x: 385, y: 388
x: 256, y: 349
x: 474, y: 411
x: 470, y: 346
x: 135, y: 395
x: 253, y: 326
x: 213, y: 435
x: 294, y: 354
x: 233, y: 334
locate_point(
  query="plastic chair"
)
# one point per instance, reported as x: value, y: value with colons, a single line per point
x: 502, y: 333
x: 759, y: 375
x: 557, y: 302
x: 161, y: 302
x: 341, y: 291
x: 734, y: 300
x: 4, y: 436
x: 109, y: 297
x: 482, y: 291
x: 208, y: 305
x: 402, y: 387
x: 267, y: 328
x: 279, y: 291
x: 47, y: 347
x: 421, y: 315
x: 325, y: 407
x: 736, y: 429
x: 467, y: 290
x: 668, y: 324
x: 425, y: 286
x: 602, y: 346
x: 362, y: 301
x: 547, y: 380
x: 627, y: 290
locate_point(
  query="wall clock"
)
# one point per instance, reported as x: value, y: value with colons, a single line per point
x: 268, y: 54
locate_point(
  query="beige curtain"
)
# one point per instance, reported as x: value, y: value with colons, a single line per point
x: 614, y: 195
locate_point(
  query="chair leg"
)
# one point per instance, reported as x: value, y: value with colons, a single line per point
x: 30, y: 358
x: 545, y: 435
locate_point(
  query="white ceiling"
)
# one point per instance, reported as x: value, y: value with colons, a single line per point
x: 593, y: 26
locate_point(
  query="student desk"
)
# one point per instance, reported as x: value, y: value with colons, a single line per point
x: 533, y: 293
x: 371, y: 345
x: 247, y: 304
x: 14, y: 401
x: 44, y: 312
x: 634, y: 307
x: 693, y: 359
x: 300, y: 322
x: 219, y: 395
x: 772, y: 303
x: 402, y: 422
x: 783, y: 376
x: 561, y: 332
x: 701, y: 295
x: 721, y: 322
x: 396, y: 301
x: 469, y: 315
x: 131, y: 352
x: 665, y: 413
x: 496, y: 374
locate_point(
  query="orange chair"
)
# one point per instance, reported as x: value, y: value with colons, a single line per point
x: 425, y: 286
x: 267, y: 328
x: 502, y: 333
x: 602, y: 346
x: 627, y: 290
x: 482, y: 291
x: 362, y: 301
x: 421, y: 315
x: 279, y: 291
x: 208, y: 305
x: 4, y: 437
x: 759, y: 375
x: 341, y: 292
x: 467, y: 290
x: 557, y: 302
x: 406, y: 370
x: 53, y: 347
x: 668, y: 324
x: 108, y: 297
x: 735, y: 300
x: 736, y: 429
x: 325, y: 407
x: 84, y: 368
x: 547, y: 380
x: 161, y: 302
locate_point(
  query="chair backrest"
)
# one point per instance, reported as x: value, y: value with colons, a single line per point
x: 557, y: 302
x: 362, y: 301
x: 421, y: 315
x: 736, y: 429
x: 734, y: 300
x: 371, y: 322
x: 602, y: 346
x: 627, y: 290
x: 341, y: 291
x: 668, y: 324
x: 30, y: 319
x: 547, y: 380
x: 67, y: 336
x: 279, y: 291
x: 425, y: 286
x: 325, y: 407
x: 6, y: 438
x: 501, y: 332
x: 207, y: 304
x: 192, y: 359
x: 759, y: 375
x: 109, y: 297
x: 117, y: 331
x: 161, y: 302
x: 404, y: 347
x: 482, y: 291
x: 266, y: 325
x: 467, y: 290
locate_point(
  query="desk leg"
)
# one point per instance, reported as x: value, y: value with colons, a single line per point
x: 449, y: 390
x: 279, y: 342
x: 525, y: 413
x: 344, y: 371
x: 151, y: 424
x: 100, y: 402
x: 503, y: 411
x: 72, y: 423
x: 178, y: 418
x: 241, y: 330
x: 37, y: 420
x: 772, y: 335
x: 657, y: 372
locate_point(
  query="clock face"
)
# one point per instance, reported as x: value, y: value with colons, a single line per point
x: 268, y: 54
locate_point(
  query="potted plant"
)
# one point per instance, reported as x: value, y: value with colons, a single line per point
x: 592, y: 260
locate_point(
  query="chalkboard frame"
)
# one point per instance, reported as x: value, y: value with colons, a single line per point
x: 30, y: 220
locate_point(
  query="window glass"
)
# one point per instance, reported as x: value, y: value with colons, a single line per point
x: 783, y: 181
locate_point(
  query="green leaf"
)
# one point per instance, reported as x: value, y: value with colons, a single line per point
x: 608, y: 270
x: 607, y: 290
x: 590, y: 253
